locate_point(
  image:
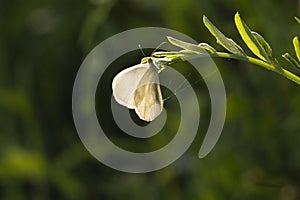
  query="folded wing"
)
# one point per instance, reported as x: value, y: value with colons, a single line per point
x: 125, y: 83
x: 138, y: 88
x: 147, y: 97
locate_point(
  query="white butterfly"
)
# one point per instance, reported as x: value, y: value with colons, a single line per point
x: 138, y: 88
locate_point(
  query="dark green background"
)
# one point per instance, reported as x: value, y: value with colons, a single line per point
x: 42, y: 45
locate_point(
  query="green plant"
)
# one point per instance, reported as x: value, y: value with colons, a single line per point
x: 254, y: 41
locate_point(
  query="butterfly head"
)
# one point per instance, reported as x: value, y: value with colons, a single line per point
x: 152, y: 62
x: 158, y: 63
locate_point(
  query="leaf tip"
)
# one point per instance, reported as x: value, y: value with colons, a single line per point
x: 295, y: 39
x: 296, y: 46
x: 169, y: 38
x: 237, y: 18
x: 205, y: 19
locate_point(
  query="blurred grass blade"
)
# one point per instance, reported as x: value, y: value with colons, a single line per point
x: 250, y: 39
x: 297, y: 19
x: 187, y: 46
x: 291, y: 60
x: 227, y: 43
x: 297, y: 47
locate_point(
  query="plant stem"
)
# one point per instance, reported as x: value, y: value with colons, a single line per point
x: 287, y: 74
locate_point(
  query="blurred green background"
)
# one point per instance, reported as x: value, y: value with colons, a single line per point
x: 42, y: 45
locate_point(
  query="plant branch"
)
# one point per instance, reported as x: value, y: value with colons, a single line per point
x: 287, y: 74
x: 254, y: 41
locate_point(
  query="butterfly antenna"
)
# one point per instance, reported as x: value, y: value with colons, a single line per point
x: 162, y: 43
x: 140, y: 47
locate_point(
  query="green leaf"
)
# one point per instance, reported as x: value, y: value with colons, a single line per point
x: 297, y: 19
x: 291, y: 60
x: 250, y: 40
x: 187, y: 46
x: 265, y: 45
x: 170, y: 54
x: 207, y: 47
x: 227, y: 43
x: 297, y: 47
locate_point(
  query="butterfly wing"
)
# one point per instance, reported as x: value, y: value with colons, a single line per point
x: 125, y: 83
x: 147, y: 97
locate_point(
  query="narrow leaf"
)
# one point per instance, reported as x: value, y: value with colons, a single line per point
x: 161, y: 54
x: 291, y: 60
x: 297, y: 47
x: 265, y: 45
x: 297, y: 19
x: 227, y: 43
x: 187, y: 46
x: 207, y: 47
x: 250, y: 39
